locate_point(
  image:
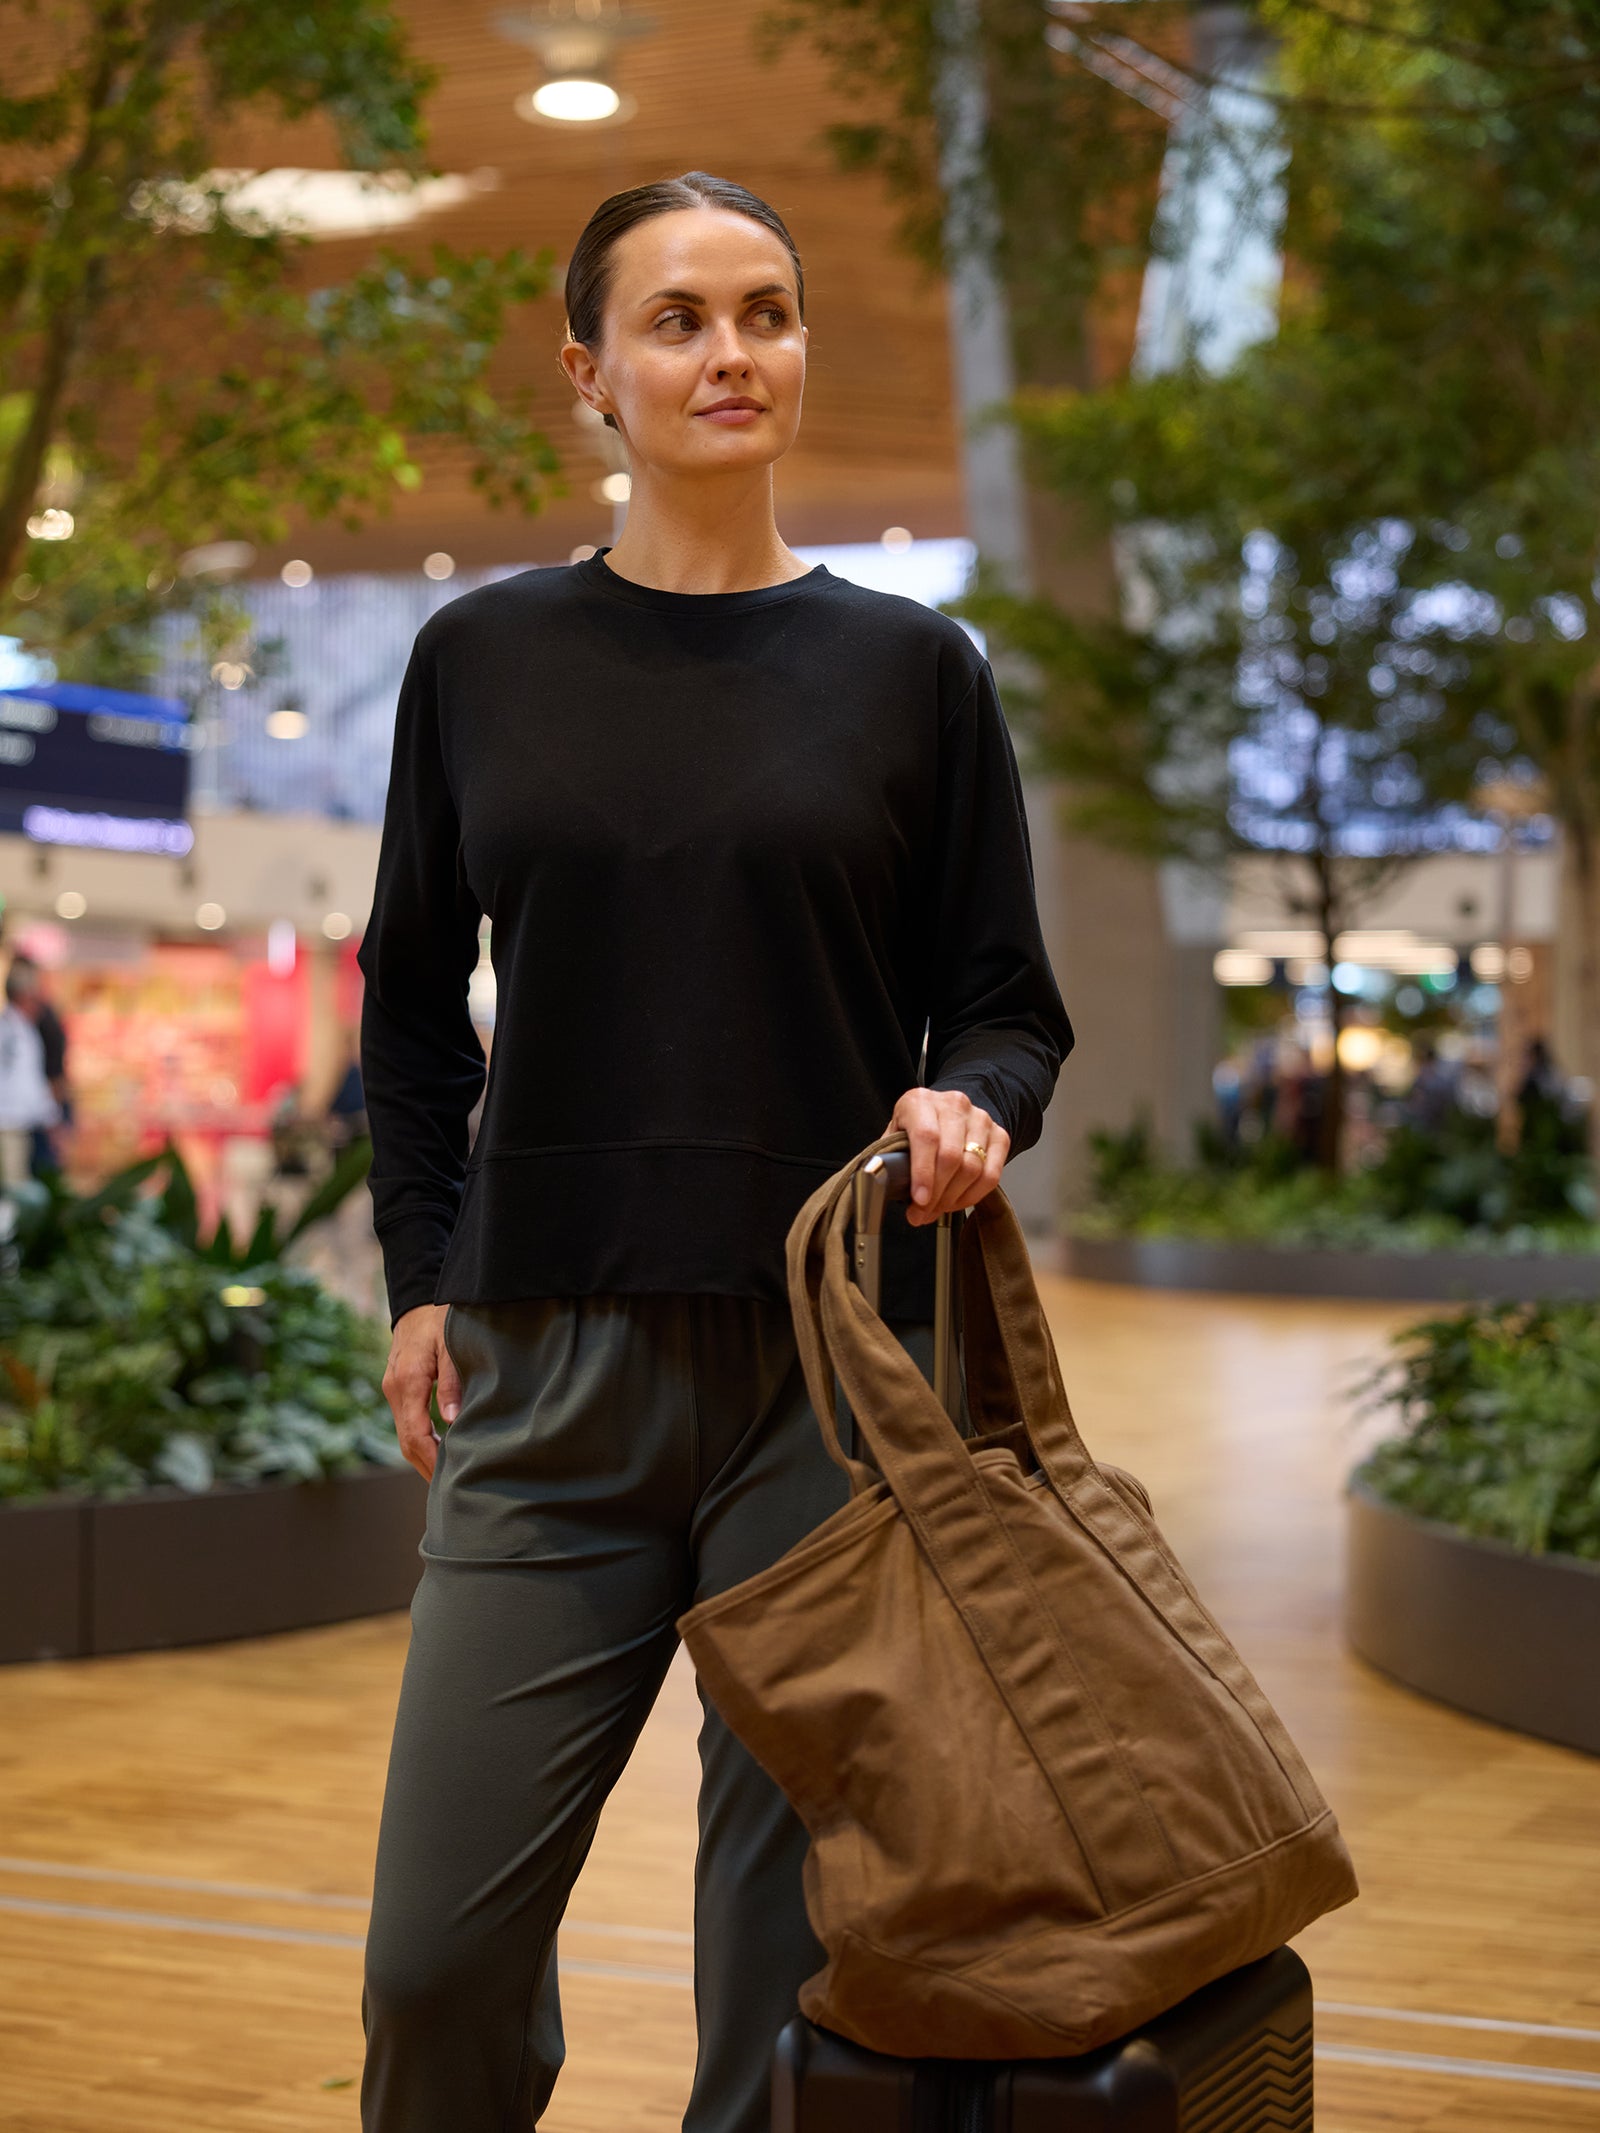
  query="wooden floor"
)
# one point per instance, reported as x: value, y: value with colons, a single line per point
x: 186, y: 1839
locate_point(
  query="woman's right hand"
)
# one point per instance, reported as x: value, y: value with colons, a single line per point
x: 419, y: 1360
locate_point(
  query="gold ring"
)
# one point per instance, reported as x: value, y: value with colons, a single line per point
x: 977, y: 1148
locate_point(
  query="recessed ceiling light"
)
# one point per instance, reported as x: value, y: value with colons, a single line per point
x: 71, y: 904
x: 439, y: 565
x: 209, y: 917
x: 287, y: 725
x: 614, y: 488
x: 336, y: 926
x: 573, y: 103
x: 296, y: 573
x: 897, y: 539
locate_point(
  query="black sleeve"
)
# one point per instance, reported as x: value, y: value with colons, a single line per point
x: 421, y: 1060
x: 997, y: 1029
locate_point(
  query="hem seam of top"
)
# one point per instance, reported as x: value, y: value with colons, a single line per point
x: 771, y: 1155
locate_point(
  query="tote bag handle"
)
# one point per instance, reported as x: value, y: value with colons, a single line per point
x: 1012, y: 1370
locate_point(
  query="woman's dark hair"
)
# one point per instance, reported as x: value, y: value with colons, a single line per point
x: 588, y: 277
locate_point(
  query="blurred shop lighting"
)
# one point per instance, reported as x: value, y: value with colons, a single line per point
x: 1404, y: 953
x: 232, y: 673
x: 71, y: 903
x: 1241, y: 966
x: 577, y: 42
x: 336, y: 926
x: 305, y: 203
x: 897, y: 539
x: 613, y: 489
x: 242, y: 1295
x: 439, y: 566
x: 281, y: 947
x: 1360, y: 1048
x: 287, y: 724
x: 51, y: 525
x: 296, y: 572
x: 211, y: 918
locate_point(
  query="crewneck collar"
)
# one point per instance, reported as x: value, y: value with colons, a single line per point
x: 596, y: 572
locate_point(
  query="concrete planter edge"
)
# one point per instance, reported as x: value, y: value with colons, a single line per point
x: 1312, y: 1270
x: 1488, y: 1629
x: 82, y: 1577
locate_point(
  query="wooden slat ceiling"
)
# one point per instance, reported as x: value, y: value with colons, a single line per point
x: 878, y: 444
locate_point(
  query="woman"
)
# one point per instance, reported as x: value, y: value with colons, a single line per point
x: 742, y: 829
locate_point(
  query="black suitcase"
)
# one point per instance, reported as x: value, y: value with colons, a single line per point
x: 1235, y: 2057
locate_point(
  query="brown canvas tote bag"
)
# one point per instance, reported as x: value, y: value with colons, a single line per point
x: 1045, y: 1797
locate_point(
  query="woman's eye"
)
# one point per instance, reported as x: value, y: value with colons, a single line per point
x: 669, y: 318
x: 776, y: 313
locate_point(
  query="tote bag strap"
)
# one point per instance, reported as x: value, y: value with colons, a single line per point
x: 964, y: 1539
x: 804, y: 1257
x: 1010, y: 1359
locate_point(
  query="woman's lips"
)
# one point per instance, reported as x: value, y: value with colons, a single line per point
x: 730, y: 417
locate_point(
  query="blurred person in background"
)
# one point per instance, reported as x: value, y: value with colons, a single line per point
x: 347, y: 1107
x: 746, y: 833
x: 44, y: 1153
x: 1432, y: 1100
x: 27, y: 1103
x: 1542, y: 1086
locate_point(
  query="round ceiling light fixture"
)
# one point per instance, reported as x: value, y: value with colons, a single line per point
x: 577, y: 43
x: 570, y: 102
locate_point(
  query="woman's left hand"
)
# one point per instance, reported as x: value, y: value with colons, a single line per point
x: 946, y: 1173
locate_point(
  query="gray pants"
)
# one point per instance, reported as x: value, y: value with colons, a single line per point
x: 617, y: 1458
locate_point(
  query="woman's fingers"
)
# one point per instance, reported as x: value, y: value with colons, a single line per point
x: 946, y: 1174
x: 983, y: 1171
x: 449, y: 1382
x: 414, y: 1359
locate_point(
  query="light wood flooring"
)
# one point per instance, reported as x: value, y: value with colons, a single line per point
x: 186, y: 1839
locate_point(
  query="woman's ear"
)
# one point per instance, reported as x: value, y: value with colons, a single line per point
x: 578, y: 364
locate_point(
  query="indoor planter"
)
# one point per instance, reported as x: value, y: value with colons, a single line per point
x: 194, y: 1441
x: 1473, y: 1558
x: 1486, y: 1627
x: 85, y: 1576
x: 1260, y: 1269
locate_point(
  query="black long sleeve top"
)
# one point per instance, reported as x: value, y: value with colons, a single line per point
x: 738, y: 851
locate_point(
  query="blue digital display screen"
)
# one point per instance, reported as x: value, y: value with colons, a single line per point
x: 101, y: 768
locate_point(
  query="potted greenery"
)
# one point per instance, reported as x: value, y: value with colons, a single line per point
x: 193, y: 1436
x: 1474, y: 1530
x: 1446, y: 1215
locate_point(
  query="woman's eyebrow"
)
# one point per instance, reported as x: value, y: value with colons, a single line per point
x: 687, y: 296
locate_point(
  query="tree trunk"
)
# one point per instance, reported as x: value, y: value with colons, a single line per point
x: 1330, y: 924
x: 1578, y: 966
x: 67, y: 309
x: 28, y: 456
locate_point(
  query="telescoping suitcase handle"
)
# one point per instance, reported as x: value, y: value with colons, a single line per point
x: 884, y: 1177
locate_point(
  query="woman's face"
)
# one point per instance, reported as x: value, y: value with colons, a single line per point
x: 702, y: 311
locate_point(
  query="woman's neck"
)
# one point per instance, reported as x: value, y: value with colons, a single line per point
x: 696, y: 538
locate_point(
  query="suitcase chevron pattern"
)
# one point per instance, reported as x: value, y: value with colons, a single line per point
x: 1262, y: 2086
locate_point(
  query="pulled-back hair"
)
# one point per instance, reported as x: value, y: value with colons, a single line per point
x: 588, y: 278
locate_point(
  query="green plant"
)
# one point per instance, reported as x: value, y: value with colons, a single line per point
x: 176, y: 368
x: 1499, y: 1425
x: 1438, y: 1191
x: 132, y: 1353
